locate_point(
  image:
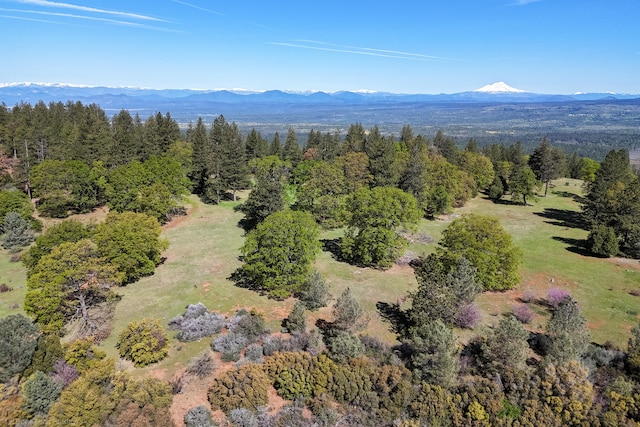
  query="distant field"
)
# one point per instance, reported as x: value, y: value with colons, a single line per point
x: 204, y: 249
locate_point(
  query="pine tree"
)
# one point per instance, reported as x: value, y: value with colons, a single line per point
x: 201, y: 152
x: 434, y: 353
x: 275, y: 148
x: 347, y: 313
x: 291, y: 150
x: 17, y: 232
x: 547, y: 163
x: 297, y: 320
x: 568, y: 332
x: 382, y: 158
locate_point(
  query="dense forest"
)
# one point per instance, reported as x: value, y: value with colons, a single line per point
x: 63, y: 159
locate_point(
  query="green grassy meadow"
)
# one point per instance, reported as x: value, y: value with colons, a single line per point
x: 204, y: 249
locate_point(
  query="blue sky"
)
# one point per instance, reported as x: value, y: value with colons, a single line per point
x: 427, y: 46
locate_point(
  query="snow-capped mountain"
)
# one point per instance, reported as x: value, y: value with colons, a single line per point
x: 498, y: 87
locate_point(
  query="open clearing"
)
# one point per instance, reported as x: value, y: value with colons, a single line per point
x: 204, y: 250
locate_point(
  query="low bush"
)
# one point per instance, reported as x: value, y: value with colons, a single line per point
x: 197, y: 322
x: 202, y: 366
x: 230, y: 345
x: 143, y: 342
x: 523, y: 313
x: 467, y: 316
x: 555, y: 296
x: 198, y: 416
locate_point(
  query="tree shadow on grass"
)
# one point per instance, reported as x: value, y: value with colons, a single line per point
x: 334, y: 247
x: 576, y: 197
x: 577, y: 246
x: 563, y: 218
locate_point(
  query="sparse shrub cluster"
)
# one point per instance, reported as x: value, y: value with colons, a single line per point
x: 197, y: 322
x: 523, y: 313
x: 202, y: 366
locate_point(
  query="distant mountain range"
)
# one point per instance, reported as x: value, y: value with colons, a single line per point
x: 127, y: 97
x: 495, y: 112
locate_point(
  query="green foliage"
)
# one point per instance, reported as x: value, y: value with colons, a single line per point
x: 40, y: 392
x: 67, y: 231
x: 352, y: 383
x: 322, y: 193
x: 152, y: 187
x: 18, y: 341
x: 344, y: 346
x: 613, y: 200
x: 85, y: 402
x: 131, y: 242
x: 506, y: 347
x: 143, y: 342
x: 315, y: 291
x: 373, y: 217
x: 49, y: 350
x: 17, y: 232
x: 487, y: 246
x: 297, y: 320
x: 279, y: 253
x: 347, y: 313
x: 435, y: 405
x: 16, y: 201
x: 382, y: 158
x: 496, y: 190
x: 568, y: 332
x: 243, y: 387
x: 83, y: 355
x: 547, y: 163
x: 523, y: 185
x: 434, y: 351
x: 633, y: 351
x: 64, y: 186
x: 291, y: 373
x: 602, y: 240
x: 268, y: 193
x: 566, y: 389
x: 66, y: 282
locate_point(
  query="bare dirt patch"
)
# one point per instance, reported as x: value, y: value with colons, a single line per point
x: 625, y: 263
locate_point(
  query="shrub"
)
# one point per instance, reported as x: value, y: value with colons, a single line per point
x: 143, y: 342
x: 523, y: 313
x: 467, y: 316
x: 5, y: 288
x: 201, y: 366
x: 291, y: 374
x: 253, y: 353
x: 344, y: 346
x: 602, y: 240
x: 555, y: 296
x: 297, y: 321
x: 251, y: 326
x: 40, y: 392
x: 230, y: 345
x: 64, y: 372
x: 244, y: 387
x: 315, y: 293
x: 198, y: 416
x: 197, y: 322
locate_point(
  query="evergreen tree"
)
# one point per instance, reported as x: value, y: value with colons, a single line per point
x: 18, y: 341
x: 297, y: 320
x: 523, y: 185
x: 382, y: 158
x: 347, y: 313
x: 506, y: 347
x: 275, y: 148
x: 256, y: 146
x: 547, y: 163
x: 568, y: 332
x: 315, y: 292
x: 267, y: 195
x: 17, y: 232
x: 201, y: 152
x: 291, y: 149
x: 354, y: 141
x: 434, y: 353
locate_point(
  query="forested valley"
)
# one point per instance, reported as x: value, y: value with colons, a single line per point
x: 362, y: 197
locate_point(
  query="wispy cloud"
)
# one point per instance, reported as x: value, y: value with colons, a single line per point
x: 61, y: 5
x: 193, y: 6
x: 23, y: 18
x: 385, y: 53
x: 89, y: 18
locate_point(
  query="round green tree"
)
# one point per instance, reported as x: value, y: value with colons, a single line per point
x: 279, y: 253
x: 143, y: 342
x: 488, y: 247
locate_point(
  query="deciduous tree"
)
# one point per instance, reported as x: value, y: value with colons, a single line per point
x: 489, y: 248
x: 279, y: 253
